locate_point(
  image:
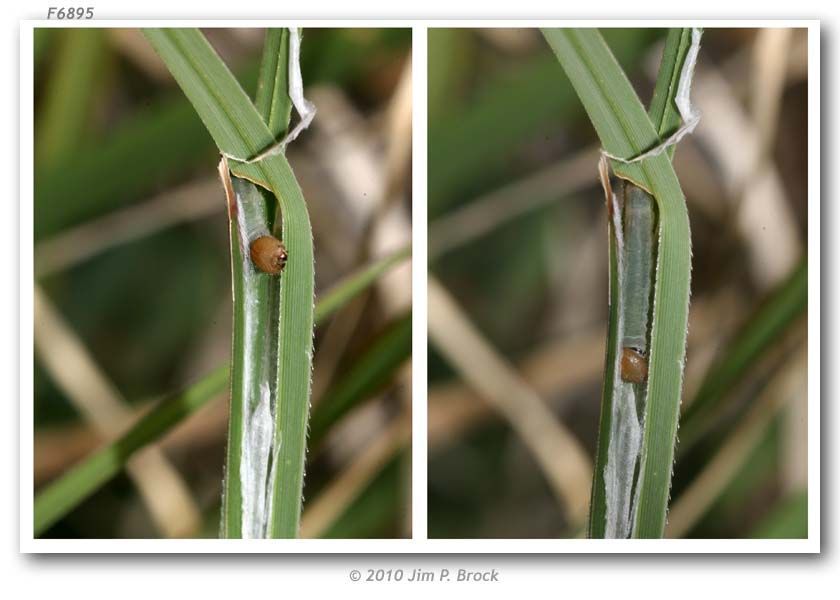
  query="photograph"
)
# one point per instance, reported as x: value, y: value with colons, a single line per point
x: 381, y: 300
x: 222, y: 283
x: 618, y: 282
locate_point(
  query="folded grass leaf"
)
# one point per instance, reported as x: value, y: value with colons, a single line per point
x: 239, y: 131
x: 626, y: 130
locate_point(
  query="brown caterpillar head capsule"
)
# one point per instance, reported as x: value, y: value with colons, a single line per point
x: 634, y: 366
x: 268, y: 254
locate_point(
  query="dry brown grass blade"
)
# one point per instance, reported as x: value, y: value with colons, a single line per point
x: 511, y: 41
x: 334, y: 500
x: 133, y: 46
x: 189, y: 202
x: 371, y: 183
x: 559, y: 455
x: 781, y: 391
x: 58, y: 448
x: 483, y: 214
x: 774, y: 247
x: 398, y: 152
x: 455, y: 408
x: 770, y: 66
x: 78, y: 376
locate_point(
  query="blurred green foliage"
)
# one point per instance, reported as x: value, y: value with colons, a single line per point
x: 378, y: 507
x: 788, y: 520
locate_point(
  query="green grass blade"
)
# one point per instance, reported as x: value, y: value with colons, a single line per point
x: 665, y: 117
x: 788, y: 520
x: 598, y: 502
x: 341, y: 294
x: 294, y: 349
x: 272, y: 99
x: 65, y: 493
x: 43, y: 41
x: 60, y: 497
x: 626, y: 130
x: 221, y: 103
x: 70, y: 93
x: 256, y: 311
x: 369, y: 373
x: 784, y: 306
x: 663, y: 111
x: 377, y: 508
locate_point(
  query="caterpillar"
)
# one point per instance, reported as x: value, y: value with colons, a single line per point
x: 638, y: 223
